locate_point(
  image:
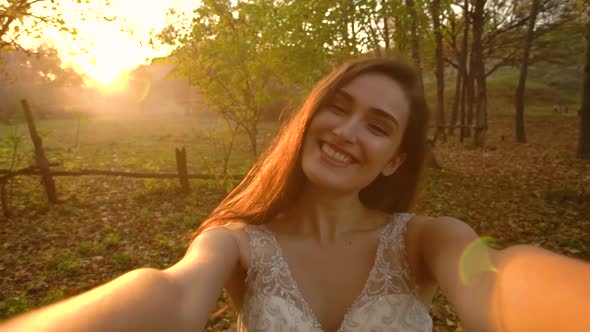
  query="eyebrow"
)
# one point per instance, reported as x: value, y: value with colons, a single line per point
x: 376, y: 111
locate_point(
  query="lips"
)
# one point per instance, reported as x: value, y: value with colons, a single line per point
x: 337, y: 154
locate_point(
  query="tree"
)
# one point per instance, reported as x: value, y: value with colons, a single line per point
x: 478, y: 69
x: 458, y: 30
x: 462, y: 74
x: 23, y: 75
x: 440, y: 69
x: 28, y: 18
x: 503, y: 28
x: 44, y: 67
x: 584, y: 141
x: 452, y: 32
x: 519, y: 95
x: 220, y: 58
x: 507, y: 28
x: 415, y: 38
x: 243, y: 55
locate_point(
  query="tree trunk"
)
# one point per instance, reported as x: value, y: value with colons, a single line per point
x: 478, y: 74
x: 458, y: 81
x: 481, y: 115
x: 439, y: 71
x: 456, y: 101
x: 462, y: 129
x: 415, y: 38
x: 386, y: 29
x: 4, y: 199
x: 469, y: 87
x: 399, y: 35
x: 252, y: 137
x: 463, y: 69
x: 519, y: 95
x: 470, y: 90
x: 584, y: 141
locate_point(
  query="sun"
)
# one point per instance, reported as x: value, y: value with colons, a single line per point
x: 106, y: 50
x: 105, y: 77
x: 108, y: 68
x: 111, y: 81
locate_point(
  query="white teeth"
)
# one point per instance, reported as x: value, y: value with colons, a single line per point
x: 333, y: 154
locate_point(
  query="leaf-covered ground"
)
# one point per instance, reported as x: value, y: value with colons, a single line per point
x: 535, y: 193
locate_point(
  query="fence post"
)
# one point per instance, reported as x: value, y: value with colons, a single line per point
x: 40, y: 159
x: 4, y: 199
x: 182, y: 170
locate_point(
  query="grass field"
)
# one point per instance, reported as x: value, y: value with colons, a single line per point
x: 536, y: 193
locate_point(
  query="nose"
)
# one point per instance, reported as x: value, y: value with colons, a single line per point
x: 347, y: 130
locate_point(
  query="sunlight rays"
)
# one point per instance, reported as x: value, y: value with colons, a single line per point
x: 111, y: 39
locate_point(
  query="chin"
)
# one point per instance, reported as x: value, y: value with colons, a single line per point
x: 328, y: 182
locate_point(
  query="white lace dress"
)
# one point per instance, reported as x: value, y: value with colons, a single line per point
x: 388, y: 301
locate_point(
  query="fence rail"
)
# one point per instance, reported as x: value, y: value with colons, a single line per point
x: 42, y: 168
x: 7, y: 174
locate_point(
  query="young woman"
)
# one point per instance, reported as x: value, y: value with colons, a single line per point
x: 317, y: 238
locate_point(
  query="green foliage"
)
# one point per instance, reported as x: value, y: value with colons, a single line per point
x: 112, y: 240
x: 53, y: 296
x: 173, y: 220
x: 15, y: 305
x: 65, y: 263
x: 144, y: 213
x: 30, y: 19
x: 564, y: 195
x: 547, y: 85
x: 122, y: 260
x: 245, y: 56
x: 163, y: 241
x: 86, y: 247
x: 10, y: 150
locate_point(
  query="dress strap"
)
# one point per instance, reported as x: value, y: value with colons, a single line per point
x: 397, y: 250
x: 262, y: 246
x: 401, y: 221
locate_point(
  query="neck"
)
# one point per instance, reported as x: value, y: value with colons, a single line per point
x: 329, y: 216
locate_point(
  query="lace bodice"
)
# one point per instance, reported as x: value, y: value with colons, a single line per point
x: 388, y: 301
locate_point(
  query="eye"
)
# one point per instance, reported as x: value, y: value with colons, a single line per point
x: 337, y: 109
x: 378, y: 129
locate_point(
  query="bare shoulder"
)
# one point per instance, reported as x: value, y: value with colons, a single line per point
x: 439, y: 228
x: 233, y: 233
x: 427, y: 237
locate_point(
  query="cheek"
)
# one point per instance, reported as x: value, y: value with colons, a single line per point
x: 380, y: 156
x: 313, y: 130
x: 381, y: 148
x: 321, y: 121
x: 310, y: 141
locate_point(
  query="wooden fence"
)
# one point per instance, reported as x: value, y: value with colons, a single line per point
x: 42, y: 168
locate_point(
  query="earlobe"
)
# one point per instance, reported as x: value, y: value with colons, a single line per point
x: 389, y: 170
x: 394, y: 164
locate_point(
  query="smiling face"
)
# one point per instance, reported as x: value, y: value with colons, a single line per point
x: 356, y: 135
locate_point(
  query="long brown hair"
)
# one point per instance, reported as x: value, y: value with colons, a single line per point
x: 276, y: 179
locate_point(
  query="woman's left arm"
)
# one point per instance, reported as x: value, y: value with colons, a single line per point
x: 520, y: 288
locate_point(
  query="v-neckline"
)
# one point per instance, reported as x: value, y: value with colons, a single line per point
x: 308, y: 308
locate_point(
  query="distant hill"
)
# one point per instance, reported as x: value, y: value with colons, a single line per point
x: 547, y: 86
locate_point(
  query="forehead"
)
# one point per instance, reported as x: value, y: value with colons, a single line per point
x: 379, y: 91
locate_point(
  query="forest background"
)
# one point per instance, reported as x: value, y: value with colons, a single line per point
x: 506, y: 80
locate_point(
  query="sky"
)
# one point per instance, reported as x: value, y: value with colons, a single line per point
x: 106, y: 49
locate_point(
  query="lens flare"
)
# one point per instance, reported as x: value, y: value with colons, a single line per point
x: 476, y: 259
x: 143, y: 90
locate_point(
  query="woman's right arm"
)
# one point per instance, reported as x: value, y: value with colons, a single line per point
x: 179, y: 298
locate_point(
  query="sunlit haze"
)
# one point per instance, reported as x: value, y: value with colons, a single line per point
x: 115, y: 39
